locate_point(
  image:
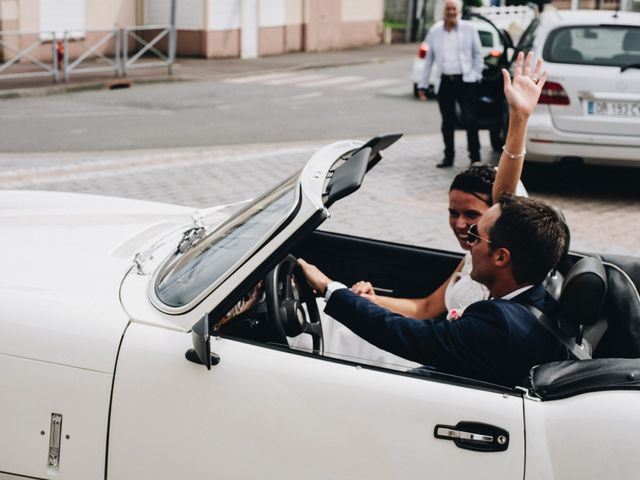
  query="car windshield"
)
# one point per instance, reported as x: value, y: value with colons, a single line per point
x: 191, y: 276
x: 594, y: 45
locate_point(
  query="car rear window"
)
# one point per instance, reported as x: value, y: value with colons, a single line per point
x: 594, y: 45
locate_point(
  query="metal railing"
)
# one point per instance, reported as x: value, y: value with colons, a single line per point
x: 24, y: 54
x: 92, y: 51
x: 92, y: 59
x: 148, y: 46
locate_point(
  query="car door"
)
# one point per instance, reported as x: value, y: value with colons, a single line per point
x: 263, y: 412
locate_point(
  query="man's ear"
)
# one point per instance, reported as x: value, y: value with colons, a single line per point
x: 502, y: 257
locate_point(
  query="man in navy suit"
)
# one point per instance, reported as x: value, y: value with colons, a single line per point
x: 516, y: 242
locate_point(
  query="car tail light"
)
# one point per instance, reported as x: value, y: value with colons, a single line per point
x: 553, y: 94
x: 495, y: 53
x: 422, y: 51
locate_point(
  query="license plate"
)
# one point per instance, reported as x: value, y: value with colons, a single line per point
x: 613, y: 109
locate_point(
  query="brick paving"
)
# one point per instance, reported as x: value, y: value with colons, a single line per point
x: 404, y: 199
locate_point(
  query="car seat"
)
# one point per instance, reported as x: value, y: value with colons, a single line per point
x: 562, y: 51
x: 631, y: 47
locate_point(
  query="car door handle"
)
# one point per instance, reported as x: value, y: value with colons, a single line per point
x: 476, y: 436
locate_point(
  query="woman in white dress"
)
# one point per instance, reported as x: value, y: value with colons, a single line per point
x: 471, y: 194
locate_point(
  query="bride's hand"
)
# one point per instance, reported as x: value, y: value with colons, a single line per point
x: 523, y: 91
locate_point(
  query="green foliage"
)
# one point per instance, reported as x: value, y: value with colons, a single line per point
x: 393, y: 25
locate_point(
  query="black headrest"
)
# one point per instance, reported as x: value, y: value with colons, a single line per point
x: 583, y: 292
x: 631, y: 41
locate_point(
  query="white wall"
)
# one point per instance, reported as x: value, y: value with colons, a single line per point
x: 61, y: 15
x: 189, y: 13
x: 223, y: 14
x: 273, y: 13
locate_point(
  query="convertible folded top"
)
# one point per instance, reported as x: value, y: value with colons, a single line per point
x: 557, y: 380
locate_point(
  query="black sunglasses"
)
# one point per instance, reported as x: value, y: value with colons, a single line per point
x: 473, y: 236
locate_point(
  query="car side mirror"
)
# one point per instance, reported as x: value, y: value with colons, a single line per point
x: 201, y: 351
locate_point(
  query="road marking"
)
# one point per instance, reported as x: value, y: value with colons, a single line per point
x: 259, y: 78
x: 105, y: 113
x: 295, y: 79
x: 330, y: 82
x: 112, y: 164
x: 381, y: 82
x: 306, y: 96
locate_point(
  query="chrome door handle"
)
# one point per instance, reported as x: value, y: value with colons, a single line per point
x: 447, y: 432
x: 476, y: 436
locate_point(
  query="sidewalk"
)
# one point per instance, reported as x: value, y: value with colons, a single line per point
x: 197, y: 69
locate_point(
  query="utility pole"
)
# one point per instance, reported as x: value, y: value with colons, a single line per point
x: 172, y: 35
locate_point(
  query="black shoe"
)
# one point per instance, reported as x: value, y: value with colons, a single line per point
x: 445, y: 164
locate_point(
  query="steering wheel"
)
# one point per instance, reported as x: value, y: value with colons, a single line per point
x: 286, y: 289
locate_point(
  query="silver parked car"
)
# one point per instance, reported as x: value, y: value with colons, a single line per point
x: 589, y: 110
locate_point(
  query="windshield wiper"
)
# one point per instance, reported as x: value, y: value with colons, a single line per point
x: 191, y: 238
x: 631, y: 65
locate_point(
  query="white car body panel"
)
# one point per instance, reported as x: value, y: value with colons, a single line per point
x: 590, y: 437
x: 557, y: 132
x: 31, y: 392
x: 81, y: 337
x: 90, y: 243
x: 545, y: 143
x: 349, y: 422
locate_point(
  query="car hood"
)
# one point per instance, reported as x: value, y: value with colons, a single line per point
x: 63, y: 259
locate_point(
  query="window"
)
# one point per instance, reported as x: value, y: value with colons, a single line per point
x: 191, y: 275
x: 486, y: 38
x: 594, y: 45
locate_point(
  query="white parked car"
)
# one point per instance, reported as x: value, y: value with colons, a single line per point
x: 113, y: 363
x: 589, y: 110
x: 490, y: 39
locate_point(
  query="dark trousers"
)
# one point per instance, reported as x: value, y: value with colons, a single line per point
x: 452, y: 90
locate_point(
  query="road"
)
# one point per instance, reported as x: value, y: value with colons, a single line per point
x: 204, y: 143
x: 323, y: 104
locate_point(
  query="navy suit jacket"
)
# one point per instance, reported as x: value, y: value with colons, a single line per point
x: 495, y: 340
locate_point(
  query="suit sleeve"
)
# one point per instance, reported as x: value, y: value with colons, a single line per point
x: 466, y: 345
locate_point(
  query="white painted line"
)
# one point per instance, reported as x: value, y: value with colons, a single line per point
x: 259, y: 78
x: 307, y: 96
x: 330, y: 82
x: 105, y: 113
x: 381, y: 82
x: 297, y: 79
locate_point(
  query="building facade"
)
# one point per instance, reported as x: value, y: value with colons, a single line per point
x: 206, y: 28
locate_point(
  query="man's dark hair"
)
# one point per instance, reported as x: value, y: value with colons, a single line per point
x: 476, y: 179
x: 534, y: 234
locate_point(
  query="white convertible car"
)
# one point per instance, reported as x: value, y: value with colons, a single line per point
x: 114, y: 364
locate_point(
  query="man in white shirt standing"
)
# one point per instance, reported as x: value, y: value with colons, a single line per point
x: 454, y: 46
